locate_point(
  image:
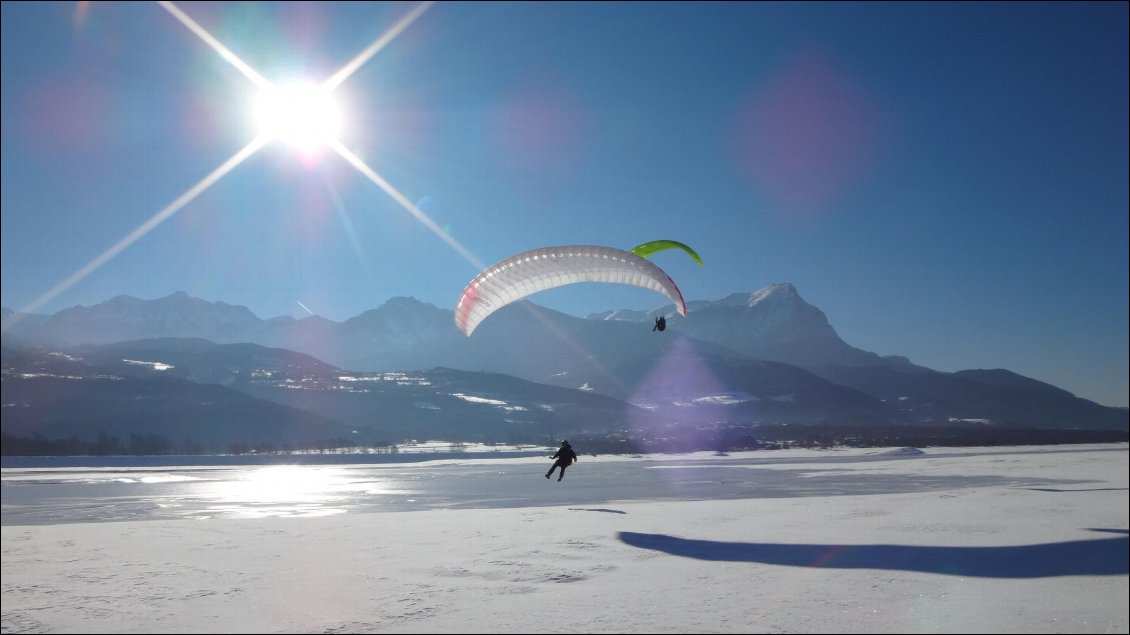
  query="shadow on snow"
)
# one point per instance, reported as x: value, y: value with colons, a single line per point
x: 1105, y: 556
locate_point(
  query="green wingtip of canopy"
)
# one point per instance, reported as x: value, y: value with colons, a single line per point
x: 646, y: 249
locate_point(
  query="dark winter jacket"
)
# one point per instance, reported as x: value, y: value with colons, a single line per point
x: 565, y: 456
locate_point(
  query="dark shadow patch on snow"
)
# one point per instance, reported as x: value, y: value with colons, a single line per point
x: 1105, y: 556
x: 1093, y: 489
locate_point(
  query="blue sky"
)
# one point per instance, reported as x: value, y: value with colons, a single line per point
x: 946, y: 181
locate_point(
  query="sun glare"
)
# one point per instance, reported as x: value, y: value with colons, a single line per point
x: 305, y: 116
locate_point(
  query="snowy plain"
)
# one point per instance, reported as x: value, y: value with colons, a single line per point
x: 1028, y: 539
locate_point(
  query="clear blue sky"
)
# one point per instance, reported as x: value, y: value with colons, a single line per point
x: 946, y: 181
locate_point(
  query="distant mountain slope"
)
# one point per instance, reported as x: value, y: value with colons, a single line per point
x: 736, y: 337
x: 201, y: 361
x: 366, y: 407
x: 58, y: 396
x: 128, y: 318
x: 399, y: 323
x: 975, y: 397
x: 685, y: 379
x: 773, y: 324
x: 532, y: 342
x: 445, y: 403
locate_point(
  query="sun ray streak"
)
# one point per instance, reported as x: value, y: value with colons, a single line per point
x: 346, y: 222
x: 337, y: 78
x: 405, y: 203
x: 224, y: 52
x: 143, y: 229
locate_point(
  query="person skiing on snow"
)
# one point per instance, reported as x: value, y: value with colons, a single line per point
x: 565, y: 457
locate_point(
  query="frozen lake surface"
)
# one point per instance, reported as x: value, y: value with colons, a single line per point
x: 877, y: 540
x: 140, y: 488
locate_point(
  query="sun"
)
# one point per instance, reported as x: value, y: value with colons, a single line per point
x: 303, y: 115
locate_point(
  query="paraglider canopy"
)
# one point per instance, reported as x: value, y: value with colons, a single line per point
x: 646, y: 249
x: 548, y: 267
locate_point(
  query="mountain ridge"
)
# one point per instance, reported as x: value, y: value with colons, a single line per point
x: 745, y: 341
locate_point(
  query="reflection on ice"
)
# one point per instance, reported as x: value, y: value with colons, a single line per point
x: 285, y: 491
x: 281, y: 484
x: 242, y: 511
x: 166, y: 478
x: 44, y: 495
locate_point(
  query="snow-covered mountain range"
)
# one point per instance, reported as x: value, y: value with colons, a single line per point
x: 773, y: 324
x: 747, y: 358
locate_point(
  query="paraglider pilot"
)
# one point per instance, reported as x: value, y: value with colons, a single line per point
x: 565, y: 457
x: 660, y: 323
